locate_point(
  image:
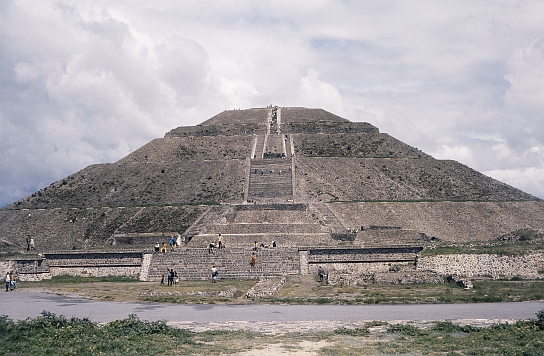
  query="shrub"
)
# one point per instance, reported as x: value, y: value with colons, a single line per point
x: 352, y: 332
x: 406, y: 329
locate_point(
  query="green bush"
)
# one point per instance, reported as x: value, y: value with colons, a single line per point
x: 352, y: 332
x: 407, y: 330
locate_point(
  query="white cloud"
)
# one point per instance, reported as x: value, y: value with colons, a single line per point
x: 316, y: 93
x: 89, y: 81
x: 529, y: 180
x: 458, y: 153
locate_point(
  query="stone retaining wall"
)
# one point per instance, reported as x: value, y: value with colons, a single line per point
x: 80, y: 263
x: 344, y: 264
x: 102, y: 271
x: 352, y: 255
x: 525, y: 266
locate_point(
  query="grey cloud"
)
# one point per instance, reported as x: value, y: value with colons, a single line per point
x: 88, y: 82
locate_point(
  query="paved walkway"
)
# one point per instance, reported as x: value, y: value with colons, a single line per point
x: 266, y: 318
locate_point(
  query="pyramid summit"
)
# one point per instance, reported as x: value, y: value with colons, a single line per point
x: 296, y: 176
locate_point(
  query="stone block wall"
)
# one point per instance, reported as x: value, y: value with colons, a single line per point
x: 282, y: 240
x: 83, y: 264
x: 352, y: 255
x: 103, y: 271
x: 529, y: 266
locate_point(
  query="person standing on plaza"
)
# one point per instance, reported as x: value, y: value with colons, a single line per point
x: 320, y: 273
x: 8, y: 282
x: 253, y: 259
x: 214, y: 274
x: 12, y: 282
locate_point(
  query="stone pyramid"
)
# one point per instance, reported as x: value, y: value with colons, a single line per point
x: 298, y: 176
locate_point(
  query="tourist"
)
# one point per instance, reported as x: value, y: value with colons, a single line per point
x: 320, y: 273
x: 170, y: 276
x: 162, y: 280
x: 12, y: 281
x: 157, y: 247
x: 172, y: 243
x: 163, y: 248
x: 31, y: 244
x: 8, y: 282
x: 214, y: 274
x: 178, y: 240
x: 274, y: 244
x: 176, y: 279
x: 211, y: 247
x: 28, y: 243
x: 220, y: 242
x: 255, y: 245
x: 253, y: 259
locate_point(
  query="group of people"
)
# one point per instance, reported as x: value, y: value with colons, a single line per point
x: 257, y: 245
x: 175, y: 242
x: 220, y: 243
x: 11, y: 284
x: 173, y: 279
x: 29, y: 243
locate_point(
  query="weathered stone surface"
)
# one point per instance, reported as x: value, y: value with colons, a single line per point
x: 304, y: 178
x: 269, y: 286
x: 526, y: 266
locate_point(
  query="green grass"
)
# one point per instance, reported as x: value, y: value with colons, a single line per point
x: 491, y: 247
x: 297, y: 290
x: 177, y: 293
x: 485, y: 290
x: 50, y: 334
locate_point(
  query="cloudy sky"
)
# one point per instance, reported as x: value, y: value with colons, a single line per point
x: 84, y: 82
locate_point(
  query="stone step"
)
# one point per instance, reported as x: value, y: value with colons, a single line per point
x: 231, y: 263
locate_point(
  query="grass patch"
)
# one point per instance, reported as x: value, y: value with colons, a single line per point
x: 130, y: 290
x: 50, y: 334
x: 297, y: 290
x: 300, y: 290
x: 515, y: 248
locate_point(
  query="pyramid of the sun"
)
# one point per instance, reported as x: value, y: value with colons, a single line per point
x: 300, y: 177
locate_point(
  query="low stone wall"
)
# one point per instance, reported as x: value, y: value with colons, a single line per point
x: 387, y: 254
x: 379, y: 273
x: 413, y: 277
x: 472, y: 265
x: 133, y: 272
x: 80, y: 263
